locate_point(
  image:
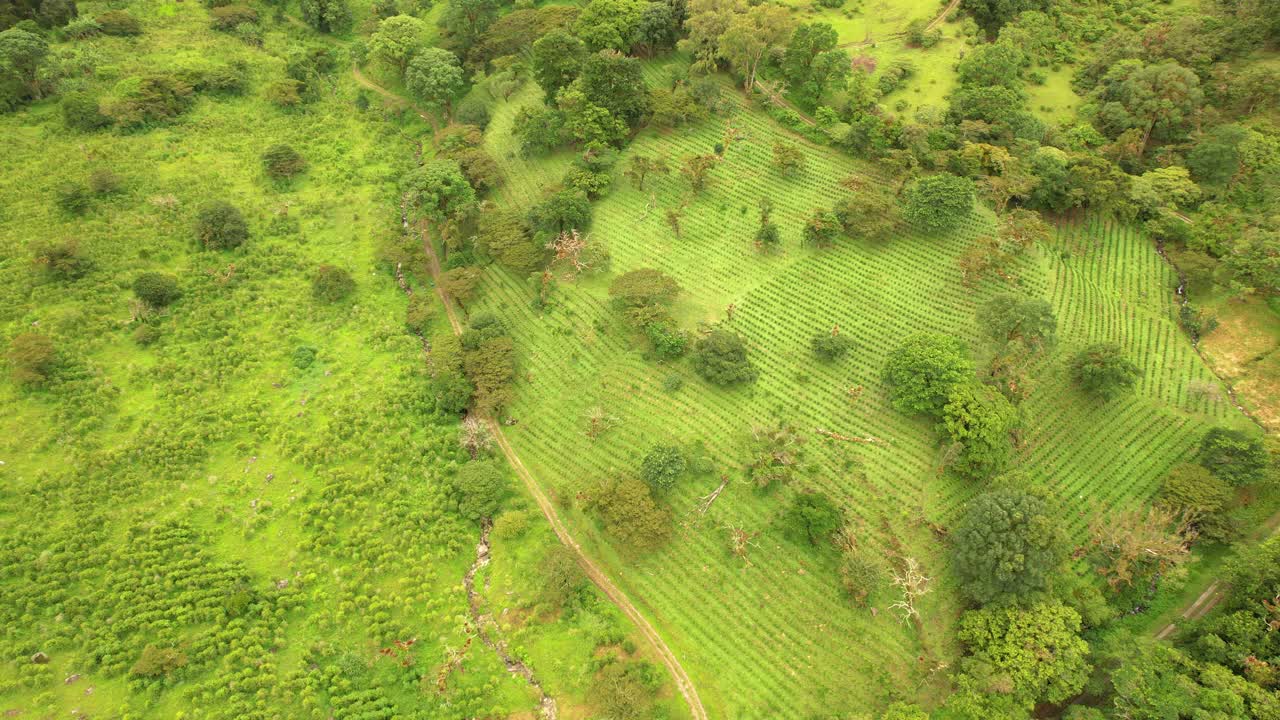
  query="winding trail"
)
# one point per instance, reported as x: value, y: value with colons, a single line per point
x: 683, y: 682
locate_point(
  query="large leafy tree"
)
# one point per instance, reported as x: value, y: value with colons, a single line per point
x: 327, y: 16
x: 610, y: 24
x: 1103, y: 370
x: 615, y: 82
x: 1006, y: 547
x: 977, y: 420
x: 434, y: 76
x: 707, y: 23
x: 721, y: 359
x: 630, y: 514
x: 992, y: 14
x: 479, y: 488
x: 812, y: 64
x: 1036, y: 654
x: 658, y: 28
x: 21, y: 55
x: 557, y: 60
x: 397, y: 39
x: 993, y: 64
x: 938, y: 203
x: 439, y: 191
x: 1235, y: 456
x: 1158, y: 100
x: 751, y: 35
x: 811, y: 518
x: 924, y: 369
x: 1008, y: 318
x: 465, y: 22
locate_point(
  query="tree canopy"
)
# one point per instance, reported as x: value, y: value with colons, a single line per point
x: 1006, y: 546
x: 924, y: 369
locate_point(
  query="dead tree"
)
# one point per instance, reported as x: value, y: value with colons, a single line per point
x: 868, y: 440
x: 739, y: 542
x: 474, y: 436
x: 914, y: 585
x: 599, y: 421
x: 704, y: 503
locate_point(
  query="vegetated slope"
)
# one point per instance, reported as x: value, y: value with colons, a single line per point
x: 249, y: 478
x: 775, y: 637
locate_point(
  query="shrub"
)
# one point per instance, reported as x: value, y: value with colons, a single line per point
x: 1238, y: 457
x: 156, y: 289
x: 281, y: 162
x: 221, y: 226
x: 81, y: 29
x: 669, y: 342
x: 145, y: 334
x: 229, y: 78
x: 1102, y: 370
x: 150, y: 99
x: 119, y: 22
x: 860, y: 575
x: 662, y: 467
x: 63, y: 260
x: 473, y: 111
x: 227, y: 17
x: 332, y: 284
x: 102, y: 181
x: 830, y: 347
x: 479, y: 488
x: 157, y: 662
x: 81, y: 111
x: 32, y: 358
x: 721, y: 359
x: 72, y: 198
x: 512, y: 524
x: 420, y: 312
x: 562, y: 578
x: 286, y: 93
x: 811, y: 517
x: 303, y: 357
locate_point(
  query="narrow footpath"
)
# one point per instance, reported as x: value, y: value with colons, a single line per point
x: 683, y: 683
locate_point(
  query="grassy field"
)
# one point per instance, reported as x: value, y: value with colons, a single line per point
x: 249, y: 477
x: 774, y: 637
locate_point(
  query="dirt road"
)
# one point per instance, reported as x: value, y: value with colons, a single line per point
x: 1215, y: 592
x: 683, y: 683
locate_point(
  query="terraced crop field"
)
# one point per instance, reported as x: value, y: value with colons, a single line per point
x: 774, y: 637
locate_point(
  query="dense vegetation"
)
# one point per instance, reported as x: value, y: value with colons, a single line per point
x: 911, y: 364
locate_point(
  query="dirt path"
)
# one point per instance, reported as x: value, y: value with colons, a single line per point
x: 683, y: 683
x: 1214, y: 593
x: 364, y: 81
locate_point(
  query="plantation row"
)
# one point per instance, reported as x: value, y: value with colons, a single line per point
x: 577, y: 356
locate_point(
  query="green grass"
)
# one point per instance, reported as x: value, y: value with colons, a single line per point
x: 279, y: 525
x: 775, y: 637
